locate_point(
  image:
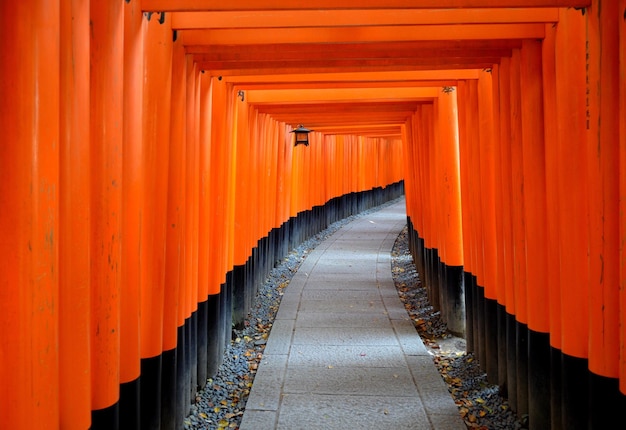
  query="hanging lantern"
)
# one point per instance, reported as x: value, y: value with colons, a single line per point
x: 302, y: 135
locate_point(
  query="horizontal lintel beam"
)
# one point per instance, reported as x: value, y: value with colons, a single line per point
x: 251, y: 5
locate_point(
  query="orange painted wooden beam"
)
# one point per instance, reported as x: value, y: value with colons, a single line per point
x: 398, y: 51
x: 358, y: 17
x: 366, y: 34
x: 362, y: 94
x: 250, y: 5
x: 343, y: 84
x: 284, y: 71
x: 351, y: 64
x: 365, y: 78
x: 348, y: 49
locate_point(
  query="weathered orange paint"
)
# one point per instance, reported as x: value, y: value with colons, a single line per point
x: 106, y: 107
x: 206, y: 220
x: 29, y: 221
x: 517, y: 196
x: 622, y: 191
x: 475, y: 183
x: 464, y: 176
x: 156, y: 135
x: 534, y: 191
x: 487, y: 189
x: 499, y: 141
x: 552, y: 159
x: 174, y: 245
x: 132, y: 193
x: 603, y: 179
x: 449, y: 180
x: 189, y: 292
x: 572, y: 175
x: 74, y: 218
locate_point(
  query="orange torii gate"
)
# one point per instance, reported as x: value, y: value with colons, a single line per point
x: 144, y: 197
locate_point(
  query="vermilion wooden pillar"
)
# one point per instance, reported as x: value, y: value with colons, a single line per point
x: 174, y: 246
x: 603, y: 227
x: 156, y: 135
x: 106, y: 119
x: 465, y: 177
x: 535, y: 213
x: 29, y: 220
x: 487, y: 177
x: 450, y: 197
x: 622, y: 188
x: 206, y: 313
x: 542, y: 405
x: 518, y: 391
x: 472, y: 148
x: 74, y: 218
x: 502, y: 159
x: 572, y: 205
x: 132, y: 201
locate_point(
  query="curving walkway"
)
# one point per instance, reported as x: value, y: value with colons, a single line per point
x: 343, y: 353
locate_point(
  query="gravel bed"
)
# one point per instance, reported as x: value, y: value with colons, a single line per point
x: 221, y: 404
x: 480, y: 404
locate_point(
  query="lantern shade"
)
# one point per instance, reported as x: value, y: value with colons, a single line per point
x: 302, y: 135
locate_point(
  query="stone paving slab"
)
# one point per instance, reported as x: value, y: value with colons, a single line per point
x: 346, y: 355
x: 339, y: 412
x: 343, y: 319
x: 343, y: 352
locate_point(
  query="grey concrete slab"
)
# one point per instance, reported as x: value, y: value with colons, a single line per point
x: 376, y: 381
x: 337, y: 412
x: 374, y: 306
x: 344, y: 336
x: 343, y: 319
x: 265, y: 393
x: 280, y: 337
x: 260, y: 420
x: 340, y: 294
x: 343, y: 352
x: 346, y: 355
x: 344, y: 282
x: 409, y: 340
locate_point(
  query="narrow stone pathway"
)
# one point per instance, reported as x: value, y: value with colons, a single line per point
x: 343, y: 352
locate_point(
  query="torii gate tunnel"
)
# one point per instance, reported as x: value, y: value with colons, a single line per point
x: 149, y: 182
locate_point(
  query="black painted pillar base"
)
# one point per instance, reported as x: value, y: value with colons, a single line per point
x: 606, y: 403
x: 470, y: 345
x: 491, y: 339
x: 455, y: 297
x: 502, y: 345
x: 105, y: 419
x: 479, y: 333
x: 522, y: 369
x: 168, y: 390
x: 539, y: 385
x: 239, y: 296
x: 193, y: 347
x: 202, y: 341
x: 151, y: 392
x: 574, y: 393
x: 181, y: 381
x: 130, y: 405
x: 213, y: 317
x: 511, y: 360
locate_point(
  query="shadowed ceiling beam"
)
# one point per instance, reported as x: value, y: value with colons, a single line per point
x: 250, y: 5
x: 358, y: 77
x: 231, y: 36
x: 360, y: 18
